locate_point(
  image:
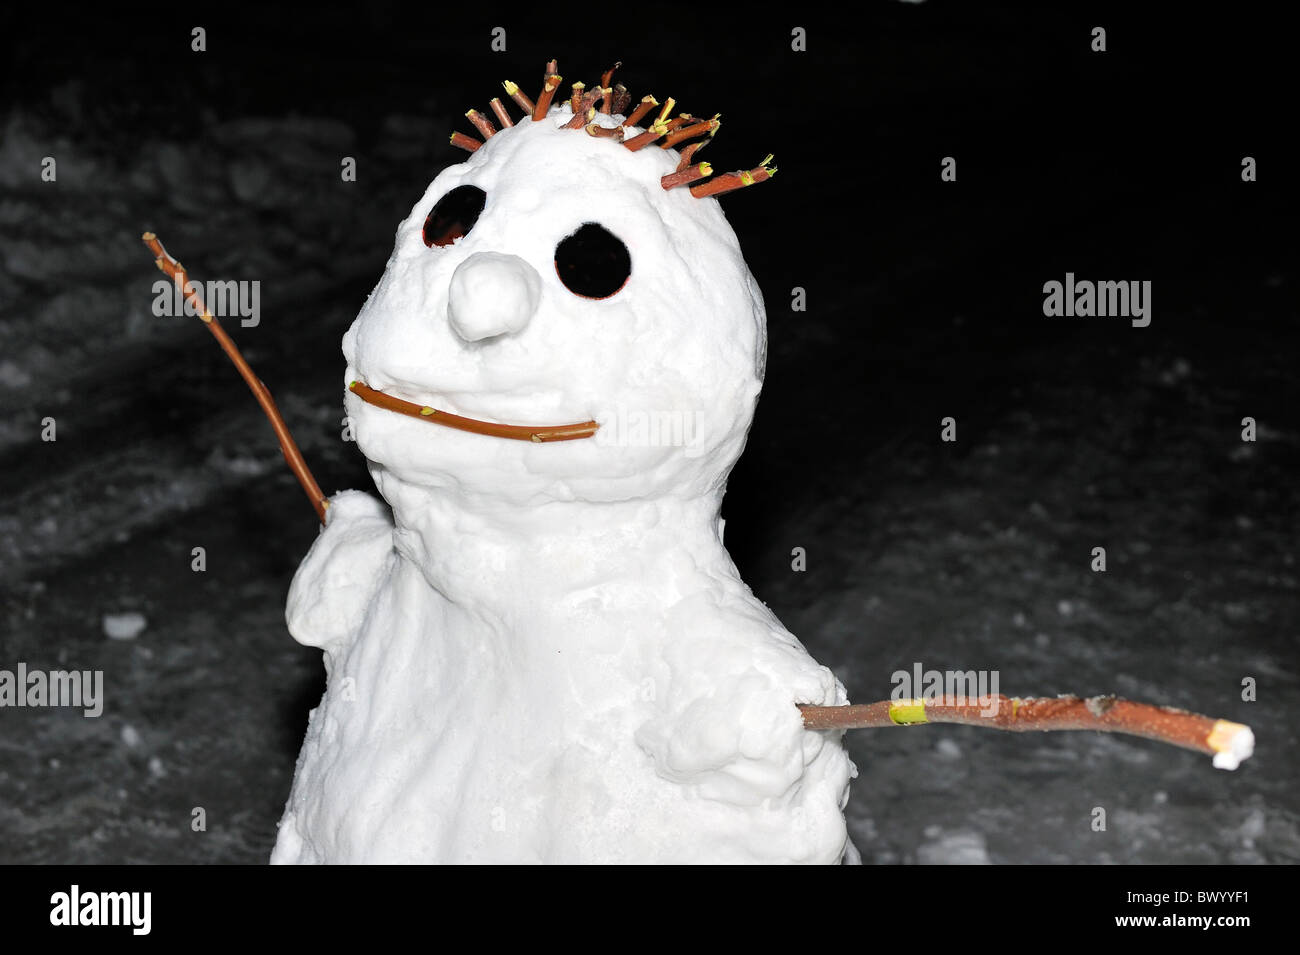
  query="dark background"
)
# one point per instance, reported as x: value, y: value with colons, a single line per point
x: 924, y: 300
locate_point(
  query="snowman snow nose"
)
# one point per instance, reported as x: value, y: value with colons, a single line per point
x: 492, y: 294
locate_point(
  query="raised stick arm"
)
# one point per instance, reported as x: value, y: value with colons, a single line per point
x: 292, y: 456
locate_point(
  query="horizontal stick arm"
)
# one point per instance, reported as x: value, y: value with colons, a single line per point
x: 1229, y: 743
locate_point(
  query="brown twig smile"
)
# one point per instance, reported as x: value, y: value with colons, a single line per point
x: 538, y: 434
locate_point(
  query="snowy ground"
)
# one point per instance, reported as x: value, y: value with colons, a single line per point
x: 965, y: 556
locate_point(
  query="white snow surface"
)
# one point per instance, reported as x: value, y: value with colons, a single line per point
x: 544, y: 653
x: 123, y: 626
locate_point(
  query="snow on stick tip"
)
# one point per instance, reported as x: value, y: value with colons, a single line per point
x: 1229, y: 743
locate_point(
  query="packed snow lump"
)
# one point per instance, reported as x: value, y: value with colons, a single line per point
x: 539, y: 651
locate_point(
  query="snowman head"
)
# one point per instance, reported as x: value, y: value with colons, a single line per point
x: 574, y: 271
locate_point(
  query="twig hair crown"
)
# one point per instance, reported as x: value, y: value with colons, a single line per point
x: 665, y: 129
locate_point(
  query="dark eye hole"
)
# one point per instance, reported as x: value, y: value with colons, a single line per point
x: 454, y: 215
x: 593, y: 262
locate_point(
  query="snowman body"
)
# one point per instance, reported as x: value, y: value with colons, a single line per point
x: 541, y: 652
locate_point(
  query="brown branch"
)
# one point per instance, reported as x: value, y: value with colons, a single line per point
x: 468, y: 143
x: 606, y: 90
x: 608, y: 132
x: 647, y: 103
x: 641, y: 140
x: 502, y: 116
x: 576, y: 96
x: 1227, y: 742
x: 482, y: 124
x: 544, y: 101
x: 621, y: 98
x: 683, y: 176
x: 585, y: 112
x: 734, y: 180
x: 676, y: 136
x: 538, y: 434
x: 609, y: 75
x: 688, y: 153
x: 519, y: 96
x: 288, y: 447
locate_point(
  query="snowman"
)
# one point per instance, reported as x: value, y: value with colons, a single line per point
x: 538, y: 649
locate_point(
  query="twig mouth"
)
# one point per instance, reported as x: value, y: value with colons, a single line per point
x: 537, y: 434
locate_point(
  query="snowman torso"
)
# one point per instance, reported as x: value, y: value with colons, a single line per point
x: 544, y: 654
x: 628, y: 703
